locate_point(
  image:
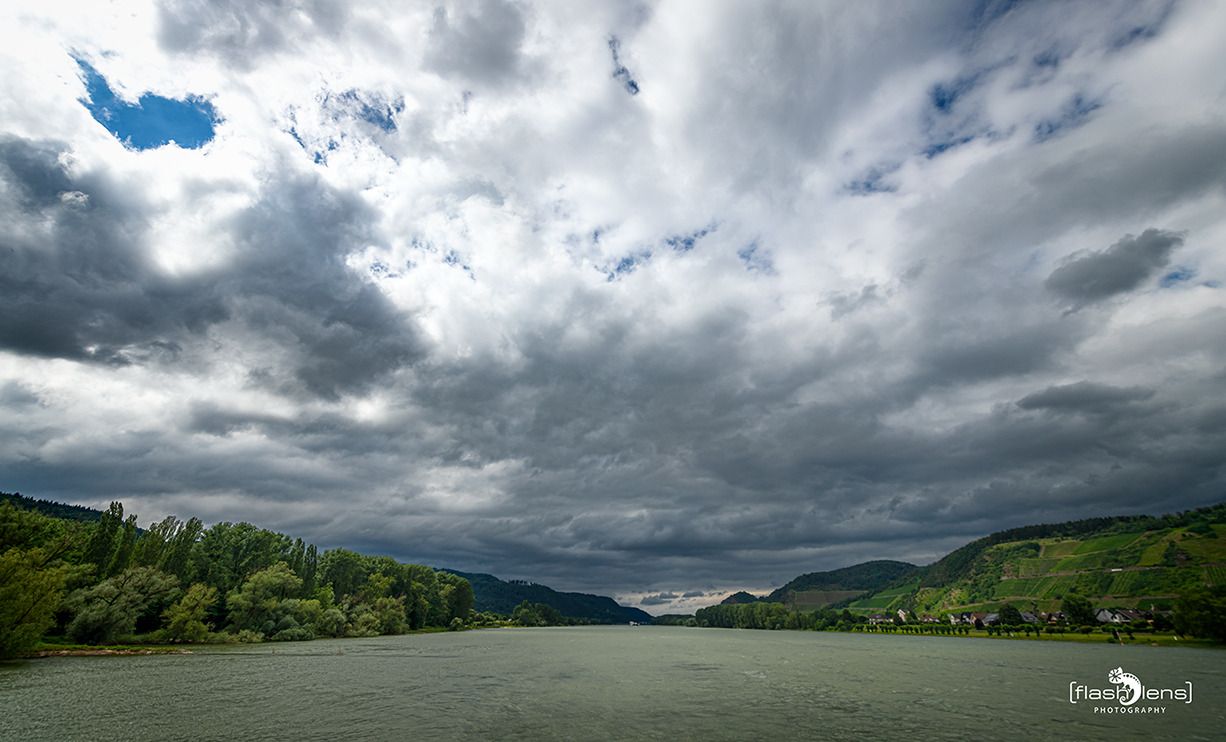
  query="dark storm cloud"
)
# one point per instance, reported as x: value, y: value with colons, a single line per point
x: 1086, y: 278
x: 1084, y: 396
x: 658, y: 599
x: 86, y: 289
x: 80, y: 286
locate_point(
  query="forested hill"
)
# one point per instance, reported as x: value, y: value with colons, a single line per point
x: 501, y: 596
x: 863, y: 577
x: 819, y: 589
x: 54, y: 509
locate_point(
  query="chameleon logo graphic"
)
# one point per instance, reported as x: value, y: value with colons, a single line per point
x: 1130, y: 682
x: 1127, y: 691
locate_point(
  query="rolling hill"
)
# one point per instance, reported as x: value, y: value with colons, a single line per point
x: 501, y: 596
x: 819, y: 589
x: 1126, y: 562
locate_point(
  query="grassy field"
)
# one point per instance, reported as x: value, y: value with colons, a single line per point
x: 1113, y: 542
x: 884, y: 600
x: 807, y: 600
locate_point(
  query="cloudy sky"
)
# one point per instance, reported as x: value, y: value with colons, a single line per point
x: 655, y: 300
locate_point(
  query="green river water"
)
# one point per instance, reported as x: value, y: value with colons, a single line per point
x: 597, y: 683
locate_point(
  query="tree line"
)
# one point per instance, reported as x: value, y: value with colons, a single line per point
x: 110, y: 581
x: 1200, y: 613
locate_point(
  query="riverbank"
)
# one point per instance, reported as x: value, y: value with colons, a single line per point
x: 66, y: 649
x: 85, y: 650
x: 1151, y: 640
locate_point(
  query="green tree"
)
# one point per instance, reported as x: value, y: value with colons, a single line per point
x: 257, y: 605
x: 31, y: 586
x: 124, y: 548
x: 110, y: 609
x: 1077, y: 610
x: 344, y: 570
x: 185, y: 618
x: 1202, y: 613
x: 100, y: 548
x: 1010, y: 615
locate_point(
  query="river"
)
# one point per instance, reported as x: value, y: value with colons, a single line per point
x: 597, y: 683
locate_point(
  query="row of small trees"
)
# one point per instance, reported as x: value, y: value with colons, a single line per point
x: 178, y: 581
x: 1200, y: 613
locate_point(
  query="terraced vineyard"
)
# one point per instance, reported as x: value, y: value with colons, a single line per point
x: 1116, y: 566
x: 885, y: 600
x: 807, y: 600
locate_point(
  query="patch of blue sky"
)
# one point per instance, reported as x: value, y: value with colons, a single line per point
x: 380, y: 269
x: 626, y: 265
x: 1181, y: 274
x: 686, y: 242
x: 755, y: 259
x: 620, y: 73
x: 370, y: 108
x: 153, y: 121
x: 944, y: 95
x: 940, y: 147
x: 293, y: 132
x: 873, y: 181
x: 1074, y: 113
x: 452, y: 258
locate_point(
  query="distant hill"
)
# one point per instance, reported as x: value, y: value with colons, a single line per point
x: 1125, y: 562
x: 53, y: 509
x: 819, y: 589
x: 501, y: 596
x: 738, y: 598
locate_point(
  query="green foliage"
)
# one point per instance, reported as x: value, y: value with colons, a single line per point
x: 763, y: 615
x: 1202, y: 613
x: 100, y: 548
x: 228, y: 553
x: 258, y: 584
x: 185, y: 618
x: 26, y: 529
x: 1078, y: 611
x: 536, y: 614
x: 263, y: 603
x: 331, y: 622
x: 1010, y: 615
x: 55, y: 510
x: 31, y: 586
x: 110, y: 609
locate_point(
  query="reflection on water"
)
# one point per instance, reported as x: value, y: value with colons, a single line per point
x: 603, y: 683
